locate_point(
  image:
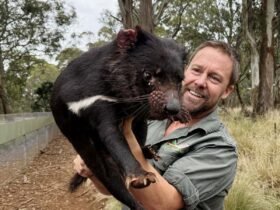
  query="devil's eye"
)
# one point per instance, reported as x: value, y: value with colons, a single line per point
x: 147, y: 75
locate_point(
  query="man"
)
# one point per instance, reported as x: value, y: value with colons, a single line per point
x: 198, y: 159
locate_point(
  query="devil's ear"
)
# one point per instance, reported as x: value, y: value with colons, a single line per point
x: 128, y: 38
x: 185, y: 54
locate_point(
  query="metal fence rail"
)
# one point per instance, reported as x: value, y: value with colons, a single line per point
x: 20, y: 116
x: 13, y: 126
x: 22, y: 137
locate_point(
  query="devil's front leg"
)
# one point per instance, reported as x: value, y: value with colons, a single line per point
x: 139, y: 127
x: 105, y: 120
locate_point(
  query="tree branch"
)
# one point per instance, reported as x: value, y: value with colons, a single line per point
x: 178, y: 26
x: 161, y: 9
x: 116, y: 18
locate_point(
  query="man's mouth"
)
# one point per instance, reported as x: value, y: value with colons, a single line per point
x: 196, y: 94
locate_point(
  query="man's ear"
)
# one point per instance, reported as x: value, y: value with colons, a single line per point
x: 128, y: 38
x: 228, y: 91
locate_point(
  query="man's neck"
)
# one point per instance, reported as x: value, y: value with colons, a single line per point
x: 174, y: 126
x: 196, y: 117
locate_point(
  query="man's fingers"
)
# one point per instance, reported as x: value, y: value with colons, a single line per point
x: 81, y: 168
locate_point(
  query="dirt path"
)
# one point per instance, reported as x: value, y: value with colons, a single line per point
x: 43, y: 184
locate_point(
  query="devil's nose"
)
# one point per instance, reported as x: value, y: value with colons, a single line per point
x: 173, y: 107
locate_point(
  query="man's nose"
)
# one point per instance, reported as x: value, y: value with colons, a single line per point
x: 201, y: 80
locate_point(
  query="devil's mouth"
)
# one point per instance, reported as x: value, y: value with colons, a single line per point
x: 157, y: 103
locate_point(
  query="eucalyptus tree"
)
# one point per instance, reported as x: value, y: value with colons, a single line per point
x: 265, y: 93
x: 146, y: 13
x: 23, y: 77
x: 66, y: 55
x: 29, y: 27
x: 261, y: 26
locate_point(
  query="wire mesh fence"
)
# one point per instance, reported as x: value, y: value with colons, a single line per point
x: 22, y: 137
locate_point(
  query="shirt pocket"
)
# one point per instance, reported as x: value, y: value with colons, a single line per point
x: 168, y: 152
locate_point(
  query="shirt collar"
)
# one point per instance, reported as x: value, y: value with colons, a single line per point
x: 208, y: 124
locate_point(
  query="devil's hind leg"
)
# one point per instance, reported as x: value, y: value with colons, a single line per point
x: 113, y: 179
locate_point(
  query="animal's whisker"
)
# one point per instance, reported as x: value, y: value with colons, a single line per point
x: 135, y: 109
x: 129, y: 100
x: 141, y: 98
x: 136, y: 112
x: 142, y: 110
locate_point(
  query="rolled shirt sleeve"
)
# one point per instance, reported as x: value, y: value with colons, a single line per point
x: 203, y: 173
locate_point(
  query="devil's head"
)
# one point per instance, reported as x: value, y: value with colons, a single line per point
x: 148, y: 69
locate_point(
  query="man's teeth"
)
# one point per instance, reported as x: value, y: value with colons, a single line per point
x: 196, y: 94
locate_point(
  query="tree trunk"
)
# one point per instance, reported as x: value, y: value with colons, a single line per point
x: 277, y: 87
x: 254, y: 57
x: 265, y: 96
x: 4, y: 105
x: 146, y: 15
x: 126, y: 10
x: 243, y: 108
x: 277, y: 58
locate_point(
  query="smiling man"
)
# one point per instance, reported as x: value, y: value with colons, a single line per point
x: 198, y: 160
x: 209, y: 77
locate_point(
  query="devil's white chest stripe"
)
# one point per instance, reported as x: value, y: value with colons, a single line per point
x: 76, y: 106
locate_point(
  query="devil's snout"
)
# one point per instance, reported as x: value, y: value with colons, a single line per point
x: 164, y: 104
x: 172, y: 107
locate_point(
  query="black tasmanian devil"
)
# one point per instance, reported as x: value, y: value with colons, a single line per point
x: 137, y: 74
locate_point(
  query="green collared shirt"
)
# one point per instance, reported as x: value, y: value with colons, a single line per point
x: 200, y: 161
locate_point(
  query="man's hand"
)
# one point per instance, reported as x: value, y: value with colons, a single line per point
x: 81, y: 168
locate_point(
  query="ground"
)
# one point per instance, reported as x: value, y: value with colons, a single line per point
x: 44, y: 184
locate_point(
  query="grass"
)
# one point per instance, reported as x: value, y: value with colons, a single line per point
x: 257, y: 184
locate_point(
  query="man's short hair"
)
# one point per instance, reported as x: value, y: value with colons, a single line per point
x: 226, y: 49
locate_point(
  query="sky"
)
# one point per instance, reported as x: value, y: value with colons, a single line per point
x: 89, y: 12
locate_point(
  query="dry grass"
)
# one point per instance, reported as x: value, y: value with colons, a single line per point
x: 257, y: 185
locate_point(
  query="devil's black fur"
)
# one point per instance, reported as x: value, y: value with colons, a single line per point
x: 122, y: 74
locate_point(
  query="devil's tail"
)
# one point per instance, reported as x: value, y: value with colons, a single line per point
x: 76, y: 181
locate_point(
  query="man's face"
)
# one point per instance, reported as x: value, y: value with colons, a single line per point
x: 206, y: 81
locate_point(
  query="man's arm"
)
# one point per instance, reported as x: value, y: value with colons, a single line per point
x: 81, y: 168
x: 159, y: 195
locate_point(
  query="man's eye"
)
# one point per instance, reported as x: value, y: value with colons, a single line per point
x: 196, y: 71
x: 215, y: 79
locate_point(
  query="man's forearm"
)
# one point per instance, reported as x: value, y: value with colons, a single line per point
x: 159, y: 195
x: 99, y: 186
x: 81, y: 168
